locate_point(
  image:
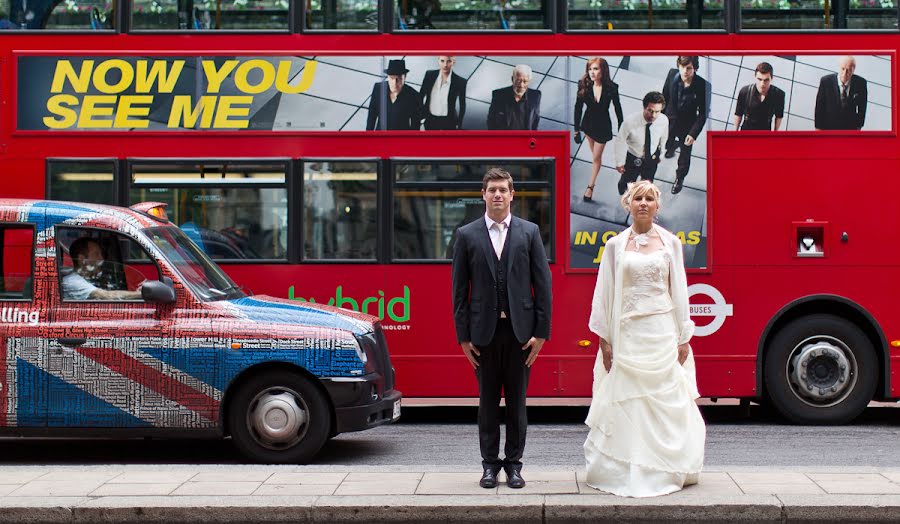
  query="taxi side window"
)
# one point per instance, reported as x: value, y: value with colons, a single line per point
x: 17, y: 262
x: 101, y: 265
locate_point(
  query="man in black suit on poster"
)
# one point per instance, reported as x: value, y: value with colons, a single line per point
x: 403, y: 109
x: 842, y: 98
x: 442, y: 92
x: 687, y: 97
x: 501, y: 308
x: 517, y: 106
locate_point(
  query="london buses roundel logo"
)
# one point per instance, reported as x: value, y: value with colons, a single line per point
x: 719, y: 309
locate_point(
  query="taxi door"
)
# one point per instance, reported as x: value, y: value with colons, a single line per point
x: 23, y: 386
x: 101, y: 373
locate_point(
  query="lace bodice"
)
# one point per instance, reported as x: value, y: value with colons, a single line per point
x: 645, y: 284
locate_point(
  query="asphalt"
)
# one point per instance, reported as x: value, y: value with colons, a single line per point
x: 283, y: 494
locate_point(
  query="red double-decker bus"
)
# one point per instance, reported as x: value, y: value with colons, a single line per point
x: 327, y: 150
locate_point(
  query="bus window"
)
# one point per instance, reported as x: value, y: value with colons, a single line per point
x: 16, y: 262
x: 202, y: 15
x: 644, y: 14
x: 233, y: 211
x: 69, y: 15
x: 343, y: 15
x: 497, y: 15
x: 90, y: 181
x: 340, y: 211
x: 434, y: 198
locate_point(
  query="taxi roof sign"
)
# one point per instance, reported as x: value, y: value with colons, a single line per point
x: 156, y: 210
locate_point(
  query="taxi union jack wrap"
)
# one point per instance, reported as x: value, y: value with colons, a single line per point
x: 173, y: 344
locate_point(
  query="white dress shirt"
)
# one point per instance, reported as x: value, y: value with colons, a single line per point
x: 440, y: 94
x: 498, y: 234
x: 631, y: 136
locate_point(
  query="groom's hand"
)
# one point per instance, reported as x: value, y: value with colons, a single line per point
x: 535, y: 344
x: 471, y: 352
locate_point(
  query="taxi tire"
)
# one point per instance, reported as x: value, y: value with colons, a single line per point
x: 318, y: 423
x: 778, y: 385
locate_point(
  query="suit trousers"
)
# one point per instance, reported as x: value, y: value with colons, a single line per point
x: 637, y: 167
x: 502, y: 368
x: 438, y: 123
x: 684, y: 155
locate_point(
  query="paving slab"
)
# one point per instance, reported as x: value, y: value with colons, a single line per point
x: 248, y: 475
x: 782, y: 489
x: 379, y: 484
x: 769, y: 477
x: 60, y: 488
x: 312, y: 477
x: 152, y: 477
x: 295, y: 489
x: 143, y: 489
x: 859, y: 487
x: 217, y: 488
x: 452, y: 484
x: 21, y: 476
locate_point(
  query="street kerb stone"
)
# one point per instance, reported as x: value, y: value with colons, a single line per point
x: 716, y: 508
x: 31, y: 514
x: 524, y: 509
x: 166, y: 510
x: 841, y: 508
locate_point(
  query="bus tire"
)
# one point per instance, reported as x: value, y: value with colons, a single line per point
x: 279, y: 417
x: 820, y: 369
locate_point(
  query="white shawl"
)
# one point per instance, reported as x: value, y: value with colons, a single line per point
x: 606, y: 308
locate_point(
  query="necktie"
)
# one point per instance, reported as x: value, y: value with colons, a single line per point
x: 498, y: 239
x: 844, y: 88
x: 647, y: 143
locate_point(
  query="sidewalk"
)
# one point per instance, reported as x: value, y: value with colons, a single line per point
x: 281, y: 494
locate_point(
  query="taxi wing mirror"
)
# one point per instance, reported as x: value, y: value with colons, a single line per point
x: 158, y: 292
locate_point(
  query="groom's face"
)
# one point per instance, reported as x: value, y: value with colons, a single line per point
x: 498, y: 196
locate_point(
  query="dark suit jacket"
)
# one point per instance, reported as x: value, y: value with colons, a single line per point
x: 474, y: 291
x: 692, y: 115
x: 456, y: 96
x: 403, y: 114
x: 503, y: 101
x: 830, y: 114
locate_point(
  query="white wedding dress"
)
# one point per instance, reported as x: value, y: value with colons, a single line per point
x: 646, y: 435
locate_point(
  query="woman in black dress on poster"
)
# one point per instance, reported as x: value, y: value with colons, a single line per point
x: 596, y: 91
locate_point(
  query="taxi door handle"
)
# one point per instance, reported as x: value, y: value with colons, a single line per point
x: 73, y: 342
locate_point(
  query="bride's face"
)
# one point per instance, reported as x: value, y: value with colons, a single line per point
x: 644, y: 207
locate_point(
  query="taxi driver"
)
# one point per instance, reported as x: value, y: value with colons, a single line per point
x: 87, y: 257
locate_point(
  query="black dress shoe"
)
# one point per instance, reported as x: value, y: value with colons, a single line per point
x: 677, y: 186
x: 670, y: 153
x: 514, y: 479
x: 489, y: 478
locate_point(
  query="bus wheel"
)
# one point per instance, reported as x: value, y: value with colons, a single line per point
x: 279, y: 417
x: 820, y: 369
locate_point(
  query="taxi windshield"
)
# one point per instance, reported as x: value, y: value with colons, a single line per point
x: 200, y: 273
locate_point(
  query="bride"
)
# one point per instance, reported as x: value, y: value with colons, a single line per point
x: 646, y: 433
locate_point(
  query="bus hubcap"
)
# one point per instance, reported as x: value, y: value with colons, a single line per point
x: 278, y: 418
x: 822, y: 370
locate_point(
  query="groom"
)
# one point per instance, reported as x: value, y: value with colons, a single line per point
x: 501, y: 307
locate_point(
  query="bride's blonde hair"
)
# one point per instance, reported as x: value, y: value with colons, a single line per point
x: 636, y: 189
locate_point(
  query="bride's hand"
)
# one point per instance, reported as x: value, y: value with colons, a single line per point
x: 606, y: 349
x: 683, y: 350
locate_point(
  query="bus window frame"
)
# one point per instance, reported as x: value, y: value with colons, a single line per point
x: 285, y: 161
x: 119, y: 198
x: 33, y: 227
x: 126, y: 22
x: 380, y: 225
x: 381, y: 7
x: 550, y: 184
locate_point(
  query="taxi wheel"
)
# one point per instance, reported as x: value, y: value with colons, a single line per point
x: 820, y: 369
x: 279, y: 417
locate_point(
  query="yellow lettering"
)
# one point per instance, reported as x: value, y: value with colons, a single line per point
x: 226, y: 111
x: 183, y: 111
x: 65, y: 71
x: 306, y: 79
x: 214, y: 76
x: 599, y: 255
x: 127, y: 76
x: 57, y: 105
x: 606, y: 236
x: 242, y: 77
x: 127, y: 110
x: 91, y: 109
x: 680, y: 236
x: 158, y: 73
x: 693, y: 238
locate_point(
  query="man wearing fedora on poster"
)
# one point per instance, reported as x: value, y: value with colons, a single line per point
x: 394, y: 105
